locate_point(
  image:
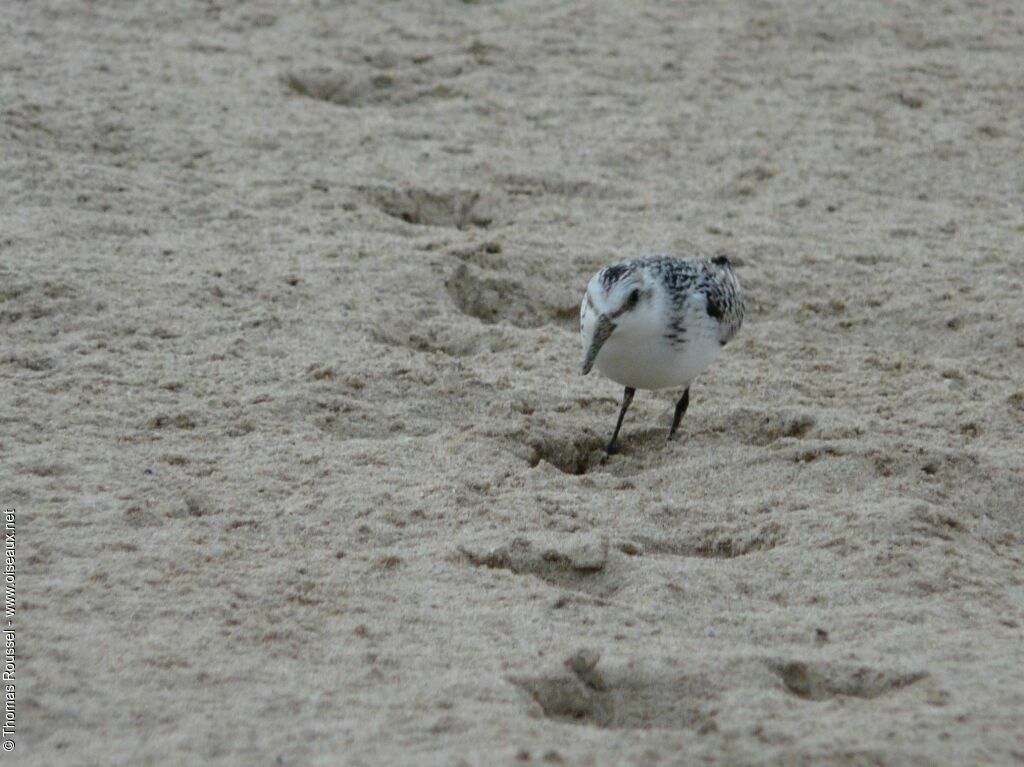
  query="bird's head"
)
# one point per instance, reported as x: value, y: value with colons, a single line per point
x: 620, y: 299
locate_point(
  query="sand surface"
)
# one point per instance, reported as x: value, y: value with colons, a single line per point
x: 292, y: 418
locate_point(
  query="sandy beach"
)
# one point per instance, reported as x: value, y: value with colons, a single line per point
x: 291, y: 409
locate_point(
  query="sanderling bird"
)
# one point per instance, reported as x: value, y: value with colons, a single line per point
x: 659, y: 321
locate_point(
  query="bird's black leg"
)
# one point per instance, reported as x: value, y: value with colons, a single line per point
x: 681, y: 406
x: 627, y: 397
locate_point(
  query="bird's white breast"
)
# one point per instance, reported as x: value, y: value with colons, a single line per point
x: 640, y: 355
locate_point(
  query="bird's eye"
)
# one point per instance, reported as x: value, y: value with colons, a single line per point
x: 634, y: 297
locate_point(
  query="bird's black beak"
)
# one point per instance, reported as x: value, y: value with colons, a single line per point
x: 604, y: 329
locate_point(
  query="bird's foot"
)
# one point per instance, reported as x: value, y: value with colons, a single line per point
x: 611, y: 448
